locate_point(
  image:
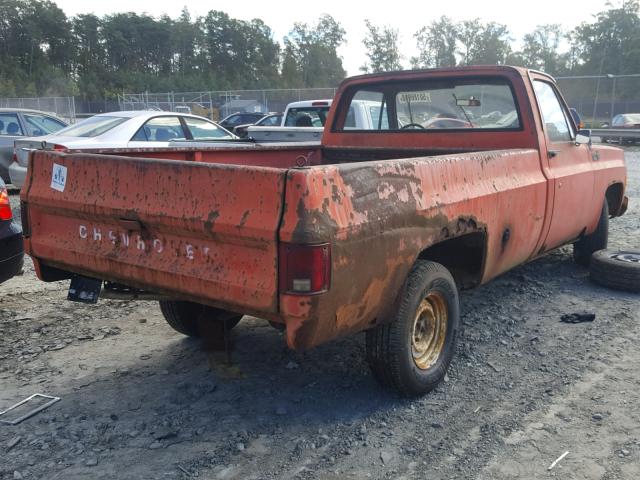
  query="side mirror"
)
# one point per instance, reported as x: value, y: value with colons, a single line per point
x: 583, y: 137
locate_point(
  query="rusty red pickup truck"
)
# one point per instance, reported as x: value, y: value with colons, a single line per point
x: 464, y: 174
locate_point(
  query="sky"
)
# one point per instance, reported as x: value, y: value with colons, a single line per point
x: 408, y: 16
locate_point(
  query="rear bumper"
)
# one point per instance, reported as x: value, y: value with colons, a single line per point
x: 17, y: 174
x: 11, y: 250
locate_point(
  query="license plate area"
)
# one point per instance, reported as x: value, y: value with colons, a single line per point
x: 84, y: 289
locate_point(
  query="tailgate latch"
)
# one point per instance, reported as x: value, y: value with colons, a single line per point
x: 131, y: 224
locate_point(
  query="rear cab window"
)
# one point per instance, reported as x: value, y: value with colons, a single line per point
x: 465, y: 103
x: 306, y: 116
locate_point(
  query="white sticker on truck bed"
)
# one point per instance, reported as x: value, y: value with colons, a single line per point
x: 58, y: 177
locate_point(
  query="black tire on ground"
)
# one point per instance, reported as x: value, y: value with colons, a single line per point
x: 183, y: 317
x: 584, y: 248
x: 618, y: 269
x: 411, y: 354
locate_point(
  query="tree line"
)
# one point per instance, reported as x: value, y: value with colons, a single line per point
x: 45, y: 52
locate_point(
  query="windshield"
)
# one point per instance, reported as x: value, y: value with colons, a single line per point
x: 92, y: 127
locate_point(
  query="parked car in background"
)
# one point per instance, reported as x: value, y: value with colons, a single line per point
x: 240, y: 118
x: 304, y: 121
x: 11, y: 247
x: 133, y: 129
x: 20, y: 122
x: 623, y: 121
x: 270, y: 120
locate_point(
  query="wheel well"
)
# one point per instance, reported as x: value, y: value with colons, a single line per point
x: 463, y: 256
x: 614, y: 198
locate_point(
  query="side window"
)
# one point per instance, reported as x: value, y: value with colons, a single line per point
x: 234, y: 120
x: 250, y: 118
x: 160, y: 129
x: 9, y: 125
x: 552, y: 113
x: 203, y: 130
x: 272, y: 121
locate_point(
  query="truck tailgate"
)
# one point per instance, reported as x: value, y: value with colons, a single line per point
x: 200, y: 231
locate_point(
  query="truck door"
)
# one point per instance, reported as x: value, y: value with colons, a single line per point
x: 569, y: 169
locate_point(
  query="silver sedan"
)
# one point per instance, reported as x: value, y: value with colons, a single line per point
x: 134, y: 129
x: 18, y: 123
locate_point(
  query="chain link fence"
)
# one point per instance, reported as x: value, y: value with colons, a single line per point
x: 598, y: 98
x: 218, y: 104
x: 63, y: 107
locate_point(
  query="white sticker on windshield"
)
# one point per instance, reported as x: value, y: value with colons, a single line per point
x: 58, y: 177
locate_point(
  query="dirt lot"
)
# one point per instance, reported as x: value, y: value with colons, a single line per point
x: 141, y: 401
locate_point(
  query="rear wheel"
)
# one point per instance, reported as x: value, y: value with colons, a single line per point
x: 584, y: 248
x: 411, y: 354
x: 185, y: 317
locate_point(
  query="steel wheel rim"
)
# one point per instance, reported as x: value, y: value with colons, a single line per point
x: 628, y: 257
x: 429, y: 330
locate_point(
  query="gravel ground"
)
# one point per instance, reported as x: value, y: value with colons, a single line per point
x: 141, y: 401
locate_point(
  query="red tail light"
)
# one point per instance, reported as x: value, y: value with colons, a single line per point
x: 304, y: 269
x: 14, y: 157
x: 59, y: 148
x: 5, y: 208
x: 319, y: 104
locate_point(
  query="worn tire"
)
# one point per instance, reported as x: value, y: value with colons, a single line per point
x: 183, y: 316
x: 587, y: 245
x: 393, y: 351
x: 616, y: 269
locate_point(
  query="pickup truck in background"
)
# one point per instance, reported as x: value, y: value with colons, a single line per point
x: 304, y: 121
x: 466, y: 173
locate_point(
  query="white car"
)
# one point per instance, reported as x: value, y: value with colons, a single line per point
x: 133, y: 129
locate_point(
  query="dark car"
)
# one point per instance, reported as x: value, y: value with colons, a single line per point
x: 11, y: 247
x: 270, y: 120
x: 240, y: 118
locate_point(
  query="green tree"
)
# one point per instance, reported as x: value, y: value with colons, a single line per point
x: 437, y: 44
x: 610, y: 44
x: 244, y: 53
x: 382, y: 49
x: 483, y: 43
x: 540, y: 48
x: 313, y: 53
